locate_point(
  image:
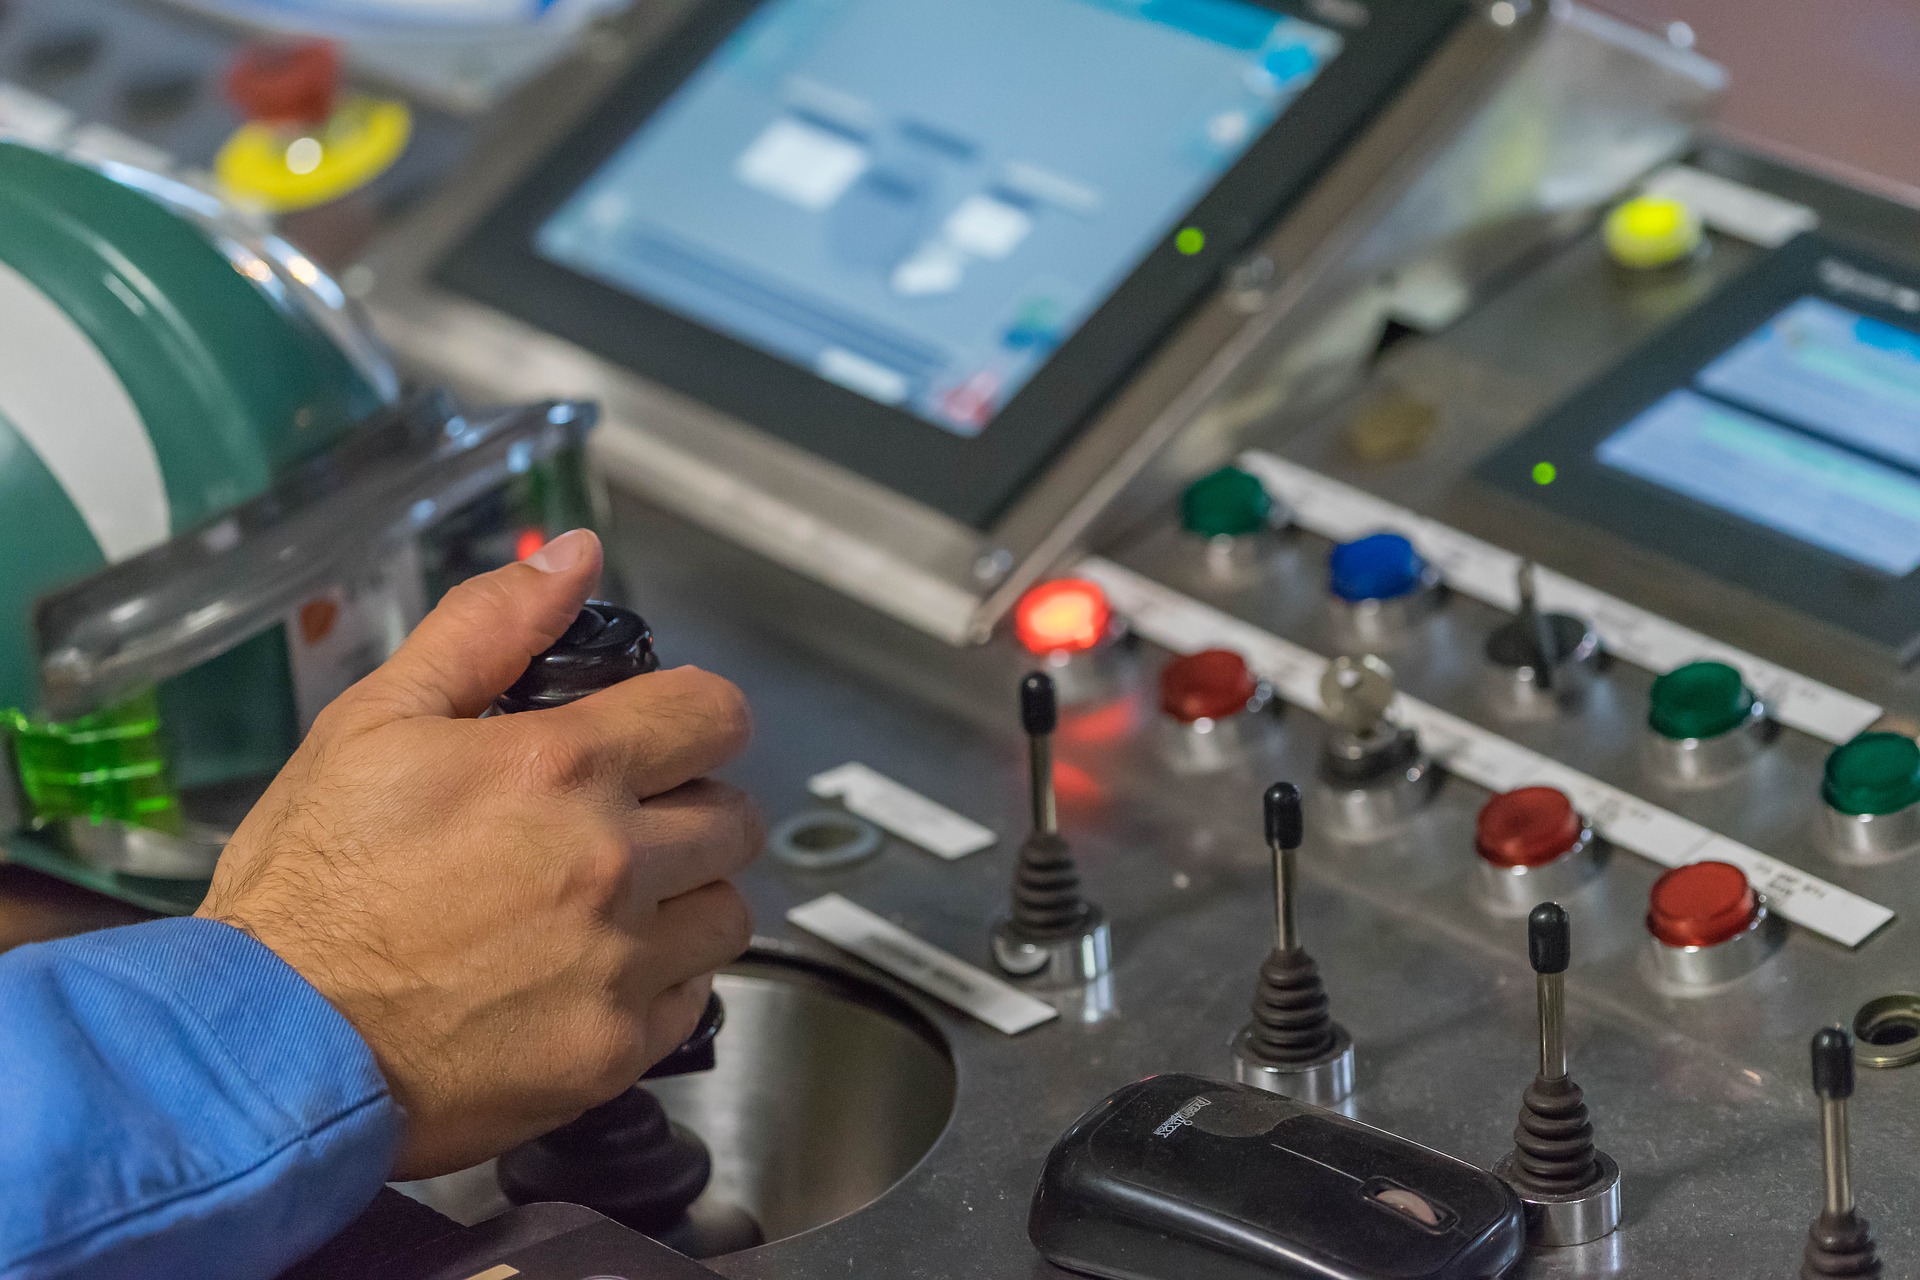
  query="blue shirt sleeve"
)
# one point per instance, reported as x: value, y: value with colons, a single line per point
x: 177, y: 1101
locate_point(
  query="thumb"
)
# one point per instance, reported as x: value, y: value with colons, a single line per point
x: 484, y: 632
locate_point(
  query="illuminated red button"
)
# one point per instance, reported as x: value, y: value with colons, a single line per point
x: 1210, y: 685
x: 1526, y: 828
x: 1701, y: 905
x: 1067, y: 615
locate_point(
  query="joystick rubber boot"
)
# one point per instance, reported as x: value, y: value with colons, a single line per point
x: 1052, y: 935
x: 1570, y: 1190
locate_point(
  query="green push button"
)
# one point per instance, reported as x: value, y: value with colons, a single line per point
x: 1228, y: 503
x: 1876, y: 773
x: 1699, y: 700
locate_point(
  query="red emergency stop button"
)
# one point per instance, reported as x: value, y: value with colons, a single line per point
x: 1701, y: 905
x: 292, y: 84
x: 1529, y: 827
x: 1210, y: 685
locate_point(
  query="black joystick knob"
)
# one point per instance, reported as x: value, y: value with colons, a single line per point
x: 623, y: 1158
x: 1039, y: 708
x: 1549, y: 938
x: 1840, y: 1242
x: 605, y: 645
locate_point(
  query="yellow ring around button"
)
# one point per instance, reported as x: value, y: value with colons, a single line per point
x: 1651, y: 231
x: 282, y: 170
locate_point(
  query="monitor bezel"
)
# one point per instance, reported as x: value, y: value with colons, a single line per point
x: 977, y: 480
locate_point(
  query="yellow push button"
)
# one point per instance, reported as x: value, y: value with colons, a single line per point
x: 1651, y: 231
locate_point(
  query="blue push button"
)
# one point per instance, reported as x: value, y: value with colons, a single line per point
x: 1380, y: 566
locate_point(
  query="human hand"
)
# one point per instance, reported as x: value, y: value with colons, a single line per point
x: 519, y: 914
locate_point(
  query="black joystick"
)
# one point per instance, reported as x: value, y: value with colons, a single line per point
x: 1571, y: 1190
x: 605, y: 645
x: 1839, y: 1243
x: 623, y: 1158
x: 1053, y: 931
x: 1292, y: 1046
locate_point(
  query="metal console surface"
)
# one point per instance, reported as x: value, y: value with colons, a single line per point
x: 1701, y: 1098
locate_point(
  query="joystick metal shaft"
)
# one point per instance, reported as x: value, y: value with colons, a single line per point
x: 1571, y: 1190
x: 1292, y: 1045
x: 1053, y: 933
x: 1839, y: 1243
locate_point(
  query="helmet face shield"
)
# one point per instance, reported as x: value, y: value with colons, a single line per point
x: 215, y: 516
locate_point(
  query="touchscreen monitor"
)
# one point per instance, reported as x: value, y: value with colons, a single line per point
x: 920, y: 200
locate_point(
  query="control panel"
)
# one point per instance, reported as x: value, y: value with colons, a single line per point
x: 1501, y: 775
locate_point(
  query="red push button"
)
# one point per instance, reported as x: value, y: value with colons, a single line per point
x: 1210, y: 685
x: 1066, y: 615
x: 1526, y: 828
x: 1701, y: 905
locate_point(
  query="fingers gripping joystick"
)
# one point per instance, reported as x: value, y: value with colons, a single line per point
x: 1292, y: 1046
x: 1839, y: 1243
x: 623, y: 1158
x: 1570, y: 1189
x: 1053, y: 933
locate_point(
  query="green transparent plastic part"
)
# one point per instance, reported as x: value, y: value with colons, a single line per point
x: 108, y: 766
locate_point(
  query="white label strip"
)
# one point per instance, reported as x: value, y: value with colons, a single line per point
x: 1486, y: 572
x: 852, y: 927
x: 1177, y: 622
x: 904, y: 812
x: 1733, y: 208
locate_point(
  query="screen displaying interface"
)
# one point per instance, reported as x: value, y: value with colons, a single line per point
x: 1810, y: 426
x: 920, y: 200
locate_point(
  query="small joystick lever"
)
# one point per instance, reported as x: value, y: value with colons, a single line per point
x: 1292, y: 1046
x: 623, y: 1158
x: 1570, y: 1189
x: 1839, y: 1243
x: 1541, y: 664
x: 1053, y: 932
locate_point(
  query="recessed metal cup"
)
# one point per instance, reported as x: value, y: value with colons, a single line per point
x: 1088, y: 677
x: 1707, y: 762
x: 1555, y: 1222
x: 1514, y: 685
x: 1697, y: 970
x: 1065, y: 961
x: 1324, y: 1082
x: 1865, y: 839
x: 1233, y: 560
x: 1378, y: 809
x: 1514, y: 891
x: 1369, y: 626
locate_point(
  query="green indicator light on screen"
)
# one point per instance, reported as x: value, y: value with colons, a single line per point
x: 1544, y: 472
x: 1190, y: 240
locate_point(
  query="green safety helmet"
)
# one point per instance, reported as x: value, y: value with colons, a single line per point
x: 183, y: 399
